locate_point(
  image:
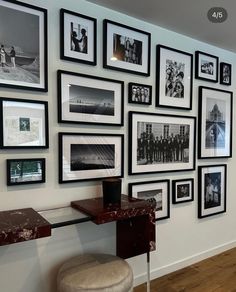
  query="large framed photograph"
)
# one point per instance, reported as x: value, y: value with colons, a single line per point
x: 23, y: 49
x: 126, y: 48
x: 23, y: 123
x: 206, y: 67
x: 140, y: 93
x: 78, y: 37
x: 90, y: 99
x: 174, y: 78
x: 182, y: 190
x: 225, y: 73
x: 215, y: 123
x: 212, y: 190
x: 161, y: 143
x: 84, y: 156
x: 25, y: 171
x: 154, y: 191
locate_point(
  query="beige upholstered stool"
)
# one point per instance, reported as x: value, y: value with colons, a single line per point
x: 95, y: 273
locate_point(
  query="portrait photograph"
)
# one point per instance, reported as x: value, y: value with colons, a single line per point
x: 212, y: 190
x: 215, y: 123
x: 78, y: 37
x: 90, y: 156
x: 161, y: 143
x: 126, y: 49
x: 174, y: 78
x: 23, y: 48
x: 225, y: 73
x: 157, y: 192
x: 182, y: 190
x: 206, y: 67
x: 25, y: 171
x: 140, y: 93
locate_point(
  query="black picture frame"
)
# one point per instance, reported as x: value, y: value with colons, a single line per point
x: 225, y: 73
x: 78, y: 96
x: 174, y: 78
x: 168, y: 129
x: 20, y: 177
x: 71, y: 47
x: 215, y: 123
x: 206, y: 67
x: 155, y: 191
x: 140, y: 98
x: 25, y: 60
x: 182, y: 190
x: 126, y: 58
x: 82, y: 156
x: 23, y: 124
x: 212, y: 192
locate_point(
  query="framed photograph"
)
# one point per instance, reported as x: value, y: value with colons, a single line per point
x: 89, y: 99
x: 78, y: 37
x: 23, y: 49
x: 154, y: 191
x: 174, y: 78
x: 182, y: 190
x: 215, y: 123
x: 140, y: 93
x: 206, y: 67
x: 84, y: 156
x: 161, y: 143
x: 126, y: 48
x: 212, y: 190
x: 23, y: 123
x: 225, y: 73
x: 25, y: 171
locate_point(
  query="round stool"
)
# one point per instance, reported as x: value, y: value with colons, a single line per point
x: 95, y: 273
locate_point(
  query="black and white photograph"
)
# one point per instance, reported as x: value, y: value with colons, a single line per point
x: 23, y: 48
x: 24, y: 123
x: 215, y: 123
x: 160, y: 143
x: 140, y: 93
x: 157, y: 192
x: 25, y: 171
x: 89, y: 99
x: 182, y: 190
x: 90, y: 156
x: 212, y: 187
x: 78, y: 37
x: 206, y: 67
x: 225, y: 73
x: 126, y: 48
x: 174, y: 78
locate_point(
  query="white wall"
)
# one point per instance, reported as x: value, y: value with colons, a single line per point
x: 181, y: 240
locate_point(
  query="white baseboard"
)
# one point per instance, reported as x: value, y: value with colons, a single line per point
x: 164, y: 270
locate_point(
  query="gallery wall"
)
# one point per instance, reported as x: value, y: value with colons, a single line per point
x: 181, y: 240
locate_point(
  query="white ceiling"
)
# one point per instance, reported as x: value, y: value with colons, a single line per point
x: 188, y: 17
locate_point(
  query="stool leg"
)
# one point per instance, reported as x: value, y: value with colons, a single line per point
x: 148, y: 271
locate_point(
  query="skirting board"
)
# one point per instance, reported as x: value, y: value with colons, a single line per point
x: 164, y: 270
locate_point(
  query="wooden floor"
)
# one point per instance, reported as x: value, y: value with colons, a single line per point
x: 216, y: 274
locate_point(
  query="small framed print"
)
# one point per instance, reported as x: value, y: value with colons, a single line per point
x: 212, y: 190
x: 154, y: 191
x: 89, y: 99
x: 78, y: 37
x: 174, y: 78
x: 23, y: 50
x: 126, y: 48
x: 24, y: 123
x: 84, y: 156
x: 206, y: 67
x: 182, y: 190
x: 25, y: 171
x: 140, y: 93
x: 225, y: 73
x: 215, y: 123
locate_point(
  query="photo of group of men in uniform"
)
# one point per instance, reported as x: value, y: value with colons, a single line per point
x: 174, y: 79
x: 162, y: 143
